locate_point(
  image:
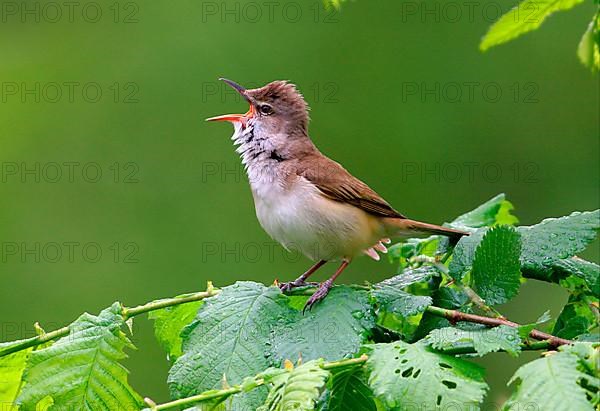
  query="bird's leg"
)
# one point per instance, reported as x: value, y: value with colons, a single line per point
x: 301, y: 281
x: 324, y: 288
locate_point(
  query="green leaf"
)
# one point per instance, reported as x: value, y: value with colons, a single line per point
x: 444, y: 297
x: 297, y: 389
x: 334, y: 329
x: 406, y: 376
x: 336, y: 4
x: 589, y: 272
x: 557, y: 238
x: 588, y: 50
x: 525, y: 329
x: 525, y: 17
x: 349, y: 386
x: 575, y: 319
x: 588, y: 355
x: 482, y: 339
x: 168, y: 323
x: 504, y: 216
x: 496, y: 274
x: 82, y: 369
x: 413, y: 247
x: 553, y: 382
x: 230, y: 337
x: 391, y: 298
x: 571, y: 273
x: 492, y: 212
x: 11, y: 371
x: 464, y: 253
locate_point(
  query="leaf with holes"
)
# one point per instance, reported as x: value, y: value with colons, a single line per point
x: 82, y: 369
x: 335, y: 328
x: 554, y: 382
x: 496, y: 274
x: 406, y: 376
x: 525, y: 17
x: 230, y: 337
x: 168, y: 323
x: 482, y: 339
x: 555, y: 239
x: 391, y: 298
x: 297, y: 389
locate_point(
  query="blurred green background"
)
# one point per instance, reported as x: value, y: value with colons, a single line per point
x: 172, y: 208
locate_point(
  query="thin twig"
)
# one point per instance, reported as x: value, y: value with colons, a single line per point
x: 257, y: 381
x: 33, y: 341
x: 205, y: 396
x: 455, y: 316
x: 167, y: 302
x: 126, y: 312
x: 539, y: 345
x: 452, y: 315
x: 480, y: 302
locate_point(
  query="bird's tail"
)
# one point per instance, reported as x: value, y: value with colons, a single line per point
x: 406, y: 228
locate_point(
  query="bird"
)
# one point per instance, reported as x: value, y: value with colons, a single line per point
x: 303, y: 199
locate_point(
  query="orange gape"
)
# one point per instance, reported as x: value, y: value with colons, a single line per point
x: 303, y: 199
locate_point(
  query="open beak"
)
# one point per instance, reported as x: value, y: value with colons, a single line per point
x: 236, y: 118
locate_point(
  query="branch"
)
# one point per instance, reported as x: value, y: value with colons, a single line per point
x: 455, y: 316
x: 479, y: 302
x: 258, y: 381
x: 253, y: 382
x: 205, y: 396
x: 33, y: 341
x: 126, y: 313
x: 473, y: 296
x: 129, y: 312
x: 539, y: 345
x: 168, y: 302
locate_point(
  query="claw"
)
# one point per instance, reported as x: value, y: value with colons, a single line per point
x: 319, y: 295
x: 289, y: 286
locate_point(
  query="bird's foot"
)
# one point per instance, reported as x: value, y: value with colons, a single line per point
x: 319, y: 295
x: 289, y: 286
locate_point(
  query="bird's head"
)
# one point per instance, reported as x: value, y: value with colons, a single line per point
x: 277, y: 108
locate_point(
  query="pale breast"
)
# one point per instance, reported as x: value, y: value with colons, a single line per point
x: 301, y: 219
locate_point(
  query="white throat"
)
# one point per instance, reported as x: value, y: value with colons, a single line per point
x: 258, y: 156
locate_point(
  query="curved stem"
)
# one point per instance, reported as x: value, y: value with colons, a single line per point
x: 539, y: 345
x: 455, y: 316
x: 257, y: 382
x: 452, y: 315
x: 126, y: 312
x: 167, y: 302
x: 33, y: 341
x: 205, y: 396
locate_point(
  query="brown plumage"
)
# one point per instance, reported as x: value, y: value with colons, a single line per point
x: 305, y: 200
x: 339, y: 185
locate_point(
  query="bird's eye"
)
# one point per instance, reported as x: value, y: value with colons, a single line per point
x: 266, y: 109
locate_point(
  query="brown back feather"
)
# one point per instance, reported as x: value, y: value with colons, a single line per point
x: 339, y: 185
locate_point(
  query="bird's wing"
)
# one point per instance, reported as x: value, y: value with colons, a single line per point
x: 338, y: 184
